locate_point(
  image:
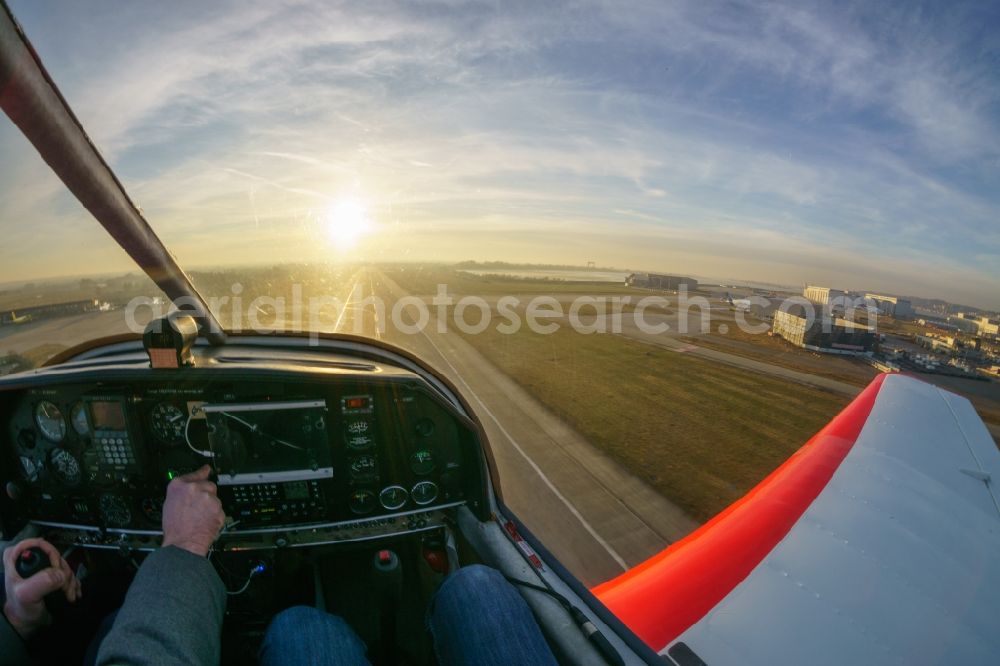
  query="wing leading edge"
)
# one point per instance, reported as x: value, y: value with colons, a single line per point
x: 876, y: 542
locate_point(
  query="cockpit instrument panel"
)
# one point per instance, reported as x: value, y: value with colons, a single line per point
x: 295, y: 457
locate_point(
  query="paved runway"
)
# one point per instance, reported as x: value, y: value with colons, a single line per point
x: 588, y: 510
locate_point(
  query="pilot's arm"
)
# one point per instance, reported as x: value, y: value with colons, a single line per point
x: 24, y: 611
x: 173, y: 611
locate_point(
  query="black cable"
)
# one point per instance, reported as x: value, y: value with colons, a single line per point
x: 592, y: 633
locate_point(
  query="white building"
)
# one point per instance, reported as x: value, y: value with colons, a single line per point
x: 822, y: 295
x: 984, y: 325
x: 989, y: 327
x: 963, y: 324
x: 892, y: 306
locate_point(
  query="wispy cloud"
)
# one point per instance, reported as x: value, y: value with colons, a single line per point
x: 842, y: 143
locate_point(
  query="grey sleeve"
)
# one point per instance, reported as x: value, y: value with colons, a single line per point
x: 13, y: 651
x: 171, y: 615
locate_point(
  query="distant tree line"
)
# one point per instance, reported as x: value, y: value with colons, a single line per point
x: 505, y: 265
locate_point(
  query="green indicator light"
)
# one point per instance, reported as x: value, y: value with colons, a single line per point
x: 171, y: 474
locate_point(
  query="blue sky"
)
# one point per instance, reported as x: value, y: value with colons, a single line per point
x: 856, y: 145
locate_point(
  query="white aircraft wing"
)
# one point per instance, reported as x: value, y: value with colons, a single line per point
x: 890, y: 556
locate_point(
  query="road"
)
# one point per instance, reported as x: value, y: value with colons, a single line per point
x: 630, y: 330
x: 594, y: 516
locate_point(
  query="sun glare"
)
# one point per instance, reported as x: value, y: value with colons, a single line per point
x: 347, y: 221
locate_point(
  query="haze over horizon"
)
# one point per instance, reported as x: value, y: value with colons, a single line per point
x: 852, y: 146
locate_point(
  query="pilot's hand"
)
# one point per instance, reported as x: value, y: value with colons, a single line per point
x: 25, y: 606
x: 192, y: 513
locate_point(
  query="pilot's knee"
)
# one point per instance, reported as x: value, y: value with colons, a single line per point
x: 305, y: 623
x: 297, y: 618
x: 473, y: 578
x: 300, y: 633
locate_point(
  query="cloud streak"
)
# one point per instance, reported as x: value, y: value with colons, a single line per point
x: 836, y: 143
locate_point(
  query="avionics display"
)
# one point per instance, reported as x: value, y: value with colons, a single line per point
x: 107, y: 415
x: 271, y: 441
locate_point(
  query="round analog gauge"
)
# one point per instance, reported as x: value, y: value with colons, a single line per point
x: 152, y: 508
x: 392, y: 497
x: 424, y: 492
x: 27, y: 439
x: 30, y: 469
x: 362, y: 502
x: 358, y: 427
x: 50, y: 421
x: 114, y: 511
x: 65, y: 467
x: 363, y: 468
x: 78, y: 417
x: 168, y: 421
x: 424, y: 427
x: 422, y: 462
x: 358, y: 435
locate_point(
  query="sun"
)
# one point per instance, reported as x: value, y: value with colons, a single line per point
x: 347, y: 221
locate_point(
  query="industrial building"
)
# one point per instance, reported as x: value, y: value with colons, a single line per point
x: 984, y: 325
x: 964, y: 325
x: 945, y: 343
x: 891, y: 306
x: 825, y: 334
x: 822, y: 295
x: 664, y: 282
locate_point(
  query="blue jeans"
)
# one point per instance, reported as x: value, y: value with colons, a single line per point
x: 476, y: 617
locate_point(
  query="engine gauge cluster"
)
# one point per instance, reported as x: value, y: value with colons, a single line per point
x: 393, y: 497
x: 363, y: 468
x: 362, y: 502
x: 424, y: 492
x: 422, y: 462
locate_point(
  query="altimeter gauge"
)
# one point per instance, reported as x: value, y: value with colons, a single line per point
x: 65, y: 467
x: 169, y: 422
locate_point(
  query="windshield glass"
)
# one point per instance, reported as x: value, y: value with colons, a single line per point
x: 63, y: 280
x: 640, y: 224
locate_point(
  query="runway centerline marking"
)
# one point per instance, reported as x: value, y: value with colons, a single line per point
x: 343, y: 311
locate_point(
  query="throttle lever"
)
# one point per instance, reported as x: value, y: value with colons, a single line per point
x: 31, y: 561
